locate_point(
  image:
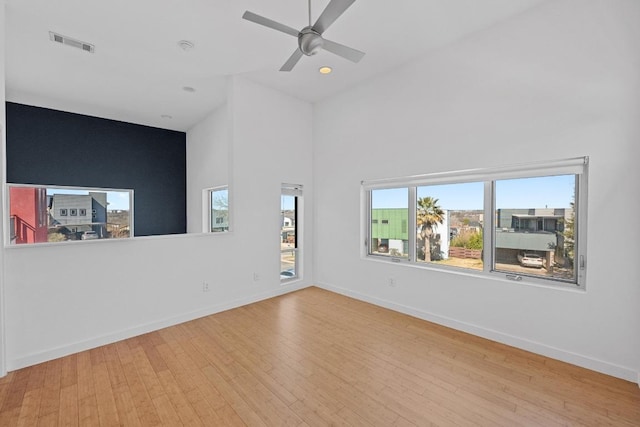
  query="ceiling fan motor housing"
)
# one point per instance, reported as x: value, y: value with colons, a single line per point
x: 310, y: 41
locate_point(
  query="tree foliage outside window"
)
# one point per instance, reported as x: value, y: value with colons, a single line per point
x: 428, y: 215
x: 468, y: 240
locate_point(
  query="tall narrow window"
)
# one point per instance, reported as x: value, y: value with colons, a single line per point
x: 218, y: 210
x: 289, y: 236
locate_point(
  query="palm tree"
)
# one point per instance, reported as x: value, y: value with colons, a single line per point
x: 428, y: 215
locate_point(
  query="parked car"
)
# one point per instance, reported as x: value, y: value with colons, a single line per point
x: 89, y: 235
x: 530, y: 260
x: 288, y: 274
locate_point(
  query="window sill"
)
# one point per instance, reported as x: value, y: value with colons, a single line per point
x: 111, y: 241
x: 494, y: 276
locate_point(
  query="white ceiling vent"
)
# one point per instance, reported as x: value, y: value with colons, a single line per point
x: 59, y: 38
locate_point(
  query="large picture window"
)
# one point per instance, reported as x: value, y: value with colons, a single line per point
x: 526, y: 222
x: 47, y: 214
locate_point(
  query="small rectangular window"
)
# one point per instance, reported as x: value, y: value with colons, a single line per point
x: 218, y: 210
x: 45, y: 214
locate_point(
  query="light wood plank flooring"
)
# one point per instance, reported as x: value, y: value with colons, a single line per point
x: 312, y: 358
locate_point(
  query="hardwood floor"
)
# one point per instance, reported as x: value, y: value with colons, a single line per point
x: 312, y: 358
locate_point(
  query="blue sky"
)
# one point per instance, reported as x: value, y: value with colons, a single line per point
x: 551, y: 192
x: 286, y: 203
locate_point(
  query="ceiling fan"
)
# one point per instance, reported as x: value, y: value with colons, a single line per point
x: 310, y: 40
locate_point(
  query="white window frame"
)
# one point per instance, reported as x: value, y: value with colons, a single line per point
x: 574, y: 166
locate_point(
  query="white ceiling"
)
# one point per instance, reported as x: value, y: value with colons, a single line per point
x: 138, y: 71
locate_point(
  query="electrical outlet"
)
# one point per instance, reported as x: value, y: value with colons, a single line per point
x: 392, y: 282
x: 256, y: 277
x: 205, y: 287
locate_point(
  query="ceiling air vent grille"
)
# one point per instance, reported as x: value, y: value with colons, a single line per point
x: 59, y: 38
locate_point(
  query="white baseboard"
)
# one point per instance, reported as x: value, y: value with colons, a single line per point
x: 65, y: 350
x: 514, y: 341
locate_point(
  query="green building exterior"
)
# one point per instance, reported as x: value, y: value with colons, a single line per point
x: 390, y: 231
x: 390, y: 223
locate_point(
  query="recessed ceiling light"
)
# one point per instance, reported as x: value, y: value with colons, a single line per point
x: 188, y: 89
x: 166, y: 116
x: 186, y: 45
x: 325, y: 70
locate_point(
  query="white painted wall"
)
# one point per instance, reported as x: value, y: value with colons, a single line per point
x: 560, y: 81
x: 116, y: 289
x: 272, y: 145
x: 208, y: 158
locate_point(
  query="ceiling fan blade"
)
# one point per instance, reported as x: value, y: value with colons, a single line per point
x: 333, y: 10
x: 292, y: 61
x: 250, y: 16
x: 346, y: 52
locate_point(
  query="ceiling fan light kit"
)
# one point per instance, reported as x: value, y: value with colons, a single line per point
x: 310, y: 40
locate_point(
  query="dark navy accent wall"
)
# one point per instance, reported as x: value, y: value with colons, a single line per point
x: 52, y: 147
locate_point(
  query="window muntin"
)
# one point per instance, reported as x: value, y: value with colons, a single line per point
x: 389, y: 216
x: 450, y: 222
x: 49, y: 214
x: 489, y: 193
x: 218, y: 210
x: 289, y: 232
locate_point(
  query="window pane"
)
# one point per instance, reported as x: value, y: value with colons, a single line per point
x: 53, y: 214
x: 535, y: 223
x: 288, y: 241
x: 389, y: 234
x: 219, y: 210
x: 449, y: 224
